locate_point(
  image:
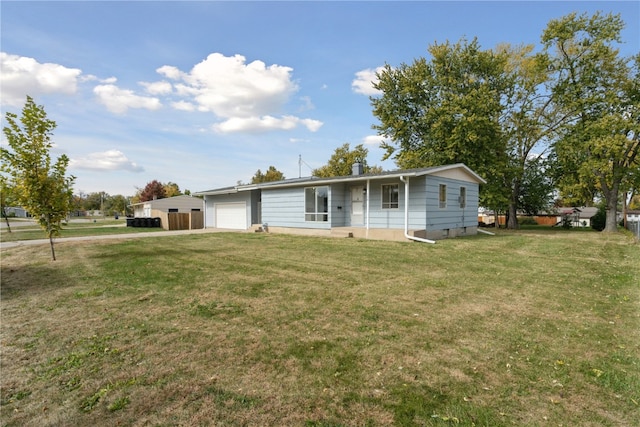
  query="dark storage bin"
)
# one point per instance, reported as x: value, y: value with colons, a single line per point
x: 157, y: 222
x: 130, y: 222
x: 137, y: 222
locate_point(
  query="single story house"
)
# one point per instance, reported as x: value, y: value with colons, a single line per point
x: 175, y: 213
x: 417, y: 204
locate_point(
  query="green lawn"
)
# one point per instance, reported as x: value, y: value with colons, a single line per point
x: 76, y: 228
x: 524, y: 328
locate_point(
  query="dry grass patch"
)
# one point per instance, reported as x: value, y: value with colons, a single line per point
x: 243, y: 329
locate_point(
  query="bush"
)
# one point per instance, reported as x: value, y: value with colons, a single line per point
x: 599, y: 220
x: 527, y: 220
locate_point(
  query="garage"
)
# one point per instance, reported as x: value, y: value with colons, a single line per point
x: 231, y: 215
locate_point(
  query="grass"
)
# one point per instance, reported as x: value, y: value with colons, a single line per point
x: 76, y: 228
x: 525, y: 328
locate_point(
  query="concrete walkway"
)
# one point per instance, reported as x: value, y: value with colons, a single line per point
x: 7, y: 245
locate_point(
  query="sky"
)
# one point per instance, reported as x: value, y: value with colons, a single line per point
x: 205, y: 93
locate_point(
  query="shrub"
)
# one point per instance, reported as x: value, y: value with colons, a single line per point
x: 527, y: 220
x: 598, y: 221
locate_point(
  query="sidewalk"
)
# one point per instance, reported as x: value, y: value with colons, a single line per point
x: 124, y: 236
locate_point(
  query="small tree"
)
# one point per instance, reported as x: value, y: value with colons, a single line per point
x: 342, y: 160
x: 41, y: 187
x: 271, y: 175
x: 6, y: 196
x: 153, y: 190
x: 171, y: 189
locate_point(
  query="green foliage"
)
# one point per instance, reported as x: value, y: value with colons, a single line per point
x: 599, y: 91
x: 39, y: 185
x: 447, y: 110
x: 171, y: 189
x: 342, y: 161
x: 598, y: 221
x: 271, y: 175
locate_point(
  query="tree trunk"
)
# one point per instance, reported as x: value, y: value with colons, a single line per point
x: 512, y: 217
x: 53, y: 252
x: 611, y: 224
x: 4, y: 211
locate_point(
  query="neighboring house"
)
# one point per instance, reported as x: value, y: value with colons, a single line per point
x: 16, y: 212
x: 633, y: 216
x: 175, y: 213
x: 417, y: 204
x: 579, y: 216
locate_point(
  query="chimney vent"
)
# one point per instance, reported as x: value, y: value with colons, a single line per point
x: 357, y: 169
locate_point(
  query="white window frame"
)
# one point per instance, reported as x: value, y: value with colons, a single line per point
x: 442, y: 196
x: 388, y: 192
x: 319, y: 212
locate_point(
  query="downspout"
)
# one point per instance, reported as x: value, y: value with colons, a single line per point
x: 367, y: 210
x: 406, y: 214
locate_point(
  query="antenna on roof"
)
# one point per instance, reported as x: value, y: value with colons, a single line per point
x: 300, y: 162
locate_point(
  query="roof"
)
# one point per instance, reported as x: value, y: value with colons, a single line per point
x: 443, y: 171
x: 169, y: 200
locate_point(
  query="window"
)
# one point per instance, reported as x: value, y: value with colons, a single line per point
x: 316, y: 204
x: 390, y: 196
x: 463, y: 197
x: 443, y: 196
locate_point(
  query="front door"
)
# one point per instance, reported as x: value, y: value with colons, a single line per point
x: 357, y: 205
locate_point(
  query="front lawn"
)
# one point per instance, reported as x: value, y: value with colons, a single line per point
x: 523, y: 328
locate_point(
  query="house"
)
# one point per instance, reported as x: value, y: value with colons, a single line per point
x: 417, y: 204
x: 633, y: 215
x: 175, y: 213
x: 578, y: 216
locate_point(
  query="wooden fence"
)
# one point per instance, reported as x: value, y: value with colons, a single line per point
x: 180, y: 220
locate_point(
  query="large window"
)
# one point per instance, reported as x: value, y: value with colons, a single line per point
x: 443, y: 196
x: 316, y: 204
x: 390, y: 196
x: 463, y: 197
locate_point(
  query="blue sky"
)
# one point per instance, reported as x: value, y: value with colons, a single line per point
x: 205, y: 93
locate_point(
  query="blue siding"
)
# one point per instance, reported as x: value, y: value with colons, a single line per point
x: 451, y: 216
x: 385, y: 218
x: 284, y: 207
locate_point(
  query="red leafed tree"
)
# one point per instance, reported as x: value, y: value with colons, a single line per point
x: 153, y: 190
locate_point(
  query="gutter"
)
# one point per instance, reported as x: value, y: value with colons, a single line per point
x: 406, y: 214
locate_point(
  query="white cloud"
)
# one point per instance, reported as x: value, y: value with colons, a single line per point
x: 363, y: 83
x: 265, y: 123
x: 120, y: 100
x: 157, y: 88
x: 110, y: 160
x: 22, y: 76
x: 374, y: 140
x: 246, y: 96
x: 183, y: 106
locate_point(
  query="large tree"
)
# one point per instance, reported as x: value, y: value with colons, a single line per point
x: 484, y: 108
x: 39, y: 185
x: 447, y: 110
x: 342, y: 161
x: 600, y: 91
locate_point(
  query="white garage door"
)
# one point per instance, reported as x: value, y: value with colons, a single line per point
x: 231, y: 215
